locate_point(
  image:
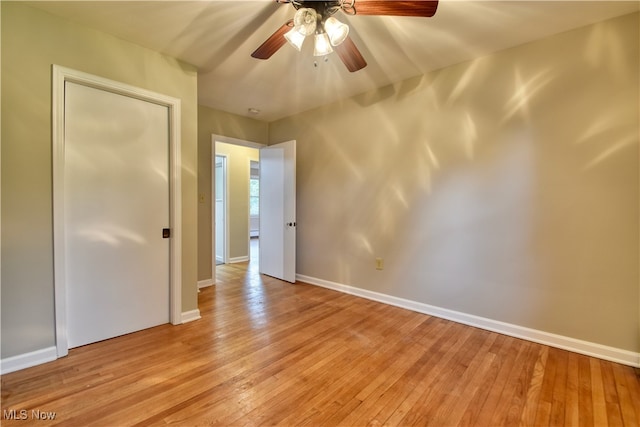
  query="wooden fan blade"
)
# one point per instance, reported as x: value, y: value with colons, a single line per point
x: 350, y: 55
x: 274, y: 42
x: 423, y: 8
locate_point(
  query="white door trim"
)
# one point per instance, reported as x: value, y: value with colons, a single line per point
x: 234, y: 141
x: 60, y: 76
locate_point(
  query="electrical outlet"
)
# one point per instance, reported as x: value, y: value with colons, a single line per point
x: 379, y: 264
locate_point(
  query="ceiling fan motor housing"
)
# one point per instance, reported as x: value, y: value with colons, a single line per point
x: 324, y: 9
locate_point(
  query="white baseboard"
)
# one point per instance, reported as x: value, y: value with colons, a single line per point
x: 38, y: 357
x: 205, y: 283
x: 190, y: 316
x: 239, y: 259
x: 27, y: 360
x: 600, y: 351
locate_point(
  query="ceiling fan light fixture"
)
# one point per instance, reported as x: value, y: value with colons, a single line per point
x: 336, y: 30
x: 322, y: 45
x: 305, y: 21
x: 295, y: 38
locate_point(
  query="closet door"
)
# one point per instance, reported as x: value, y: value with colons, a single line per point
x: 116, y: 205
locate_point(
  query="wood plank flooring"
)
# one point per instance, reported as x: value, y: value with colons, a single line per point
x: 269, y: 352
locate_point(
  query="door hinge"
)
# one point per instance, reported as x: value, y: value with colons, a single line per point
x: 166, y: 233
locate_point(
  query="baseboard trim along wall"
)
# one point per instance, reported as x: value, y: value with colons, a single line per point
x: 190, y: 316
x: 600, y: 351
x: 49, y: 354
x: 38, y: 357
x: 238, y: 259
x: 625, y: 357
x: 27, y: 360
x: 205, y: 283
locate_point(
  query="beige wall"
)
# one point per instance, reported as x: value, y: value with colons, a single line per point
x: 215, y: 122
x: 32, y: 41
x: 505, y: 187
x: 238, y: 173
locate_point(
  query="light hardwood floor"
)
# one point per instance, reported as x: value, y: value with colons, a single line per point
x: 268, y: 352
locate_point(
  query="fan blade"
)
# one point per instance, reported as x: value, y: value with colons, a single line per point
x: 423, y: 8
x: 350, y: 55
x: 274, y: 42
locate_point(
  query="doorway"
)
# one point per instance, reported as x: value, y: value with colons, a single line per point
x: 275, y: 185
x: 241, y: 217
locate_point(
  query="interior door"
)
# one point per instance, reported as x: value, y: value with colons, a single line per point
x: 278, y: 211
x: 116, y: 204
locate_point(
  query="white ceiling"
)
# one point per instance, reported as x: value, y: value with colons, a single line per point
x: 219, y: 36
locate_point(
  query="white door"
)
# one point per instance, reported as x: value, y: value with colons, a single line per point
x: 116, y: 204
x: 220, y: 208
x: 278, y: 211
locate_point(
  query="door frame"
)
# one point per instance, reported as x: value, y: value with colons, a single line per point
x: 226, y: 140
x: 60, y: 75
x: 225, y: 203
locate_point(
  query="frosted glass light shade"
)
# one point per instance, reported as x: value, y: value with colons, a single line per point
x: 305, y: 21
x: 295, y: 38
x: 336, y: 30
x: 322, y: 45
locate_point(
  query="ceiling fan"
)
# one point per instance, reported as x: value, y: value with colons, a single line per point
x: 315, y: 17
